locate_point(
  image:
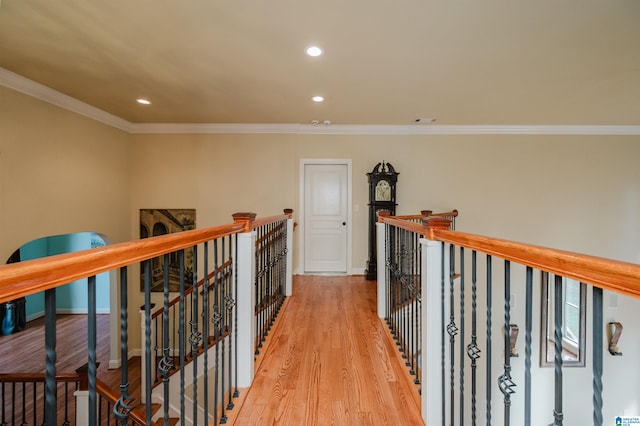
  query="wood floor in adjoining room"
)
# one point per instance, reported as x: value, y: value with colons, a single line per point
x: 330, y: 361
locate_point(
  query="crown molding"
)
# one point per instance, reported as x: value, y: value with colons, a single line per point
x: 385, y: 129
x: 36, y: 90
x: 31, y: 88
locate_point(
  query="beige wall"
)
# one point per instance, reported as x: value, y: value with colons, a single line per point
x: 571, y: 192
x: 59, y: 173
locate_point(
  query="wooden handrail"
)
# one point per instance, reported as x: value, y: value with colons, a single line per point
x: 33, y: 276
x: 613, y: 275
x: 137, y: 415
x: 268, y: 220
x: 426, y: 213
x: 453, y: 213
x: 608, y: 274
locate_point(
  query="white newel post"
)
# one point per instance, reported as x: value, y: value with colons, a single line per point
x: 82, y: 407
x: 245, y: 304
x: 288, y: 291
x: 432, y: 329
x: 381, y: 240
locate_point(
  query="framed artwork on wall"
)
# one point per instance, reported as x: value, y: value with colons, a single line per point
x: 156, y: 222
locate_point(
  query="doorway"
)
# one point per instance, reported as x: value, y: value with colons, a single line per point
x: 325, y: 237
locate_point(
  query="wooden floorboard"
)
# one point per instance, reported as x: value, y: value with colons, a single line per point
x: 330, y: 361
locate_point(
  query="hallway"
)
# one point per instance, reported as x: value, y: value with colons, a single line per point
x: 330, y: 361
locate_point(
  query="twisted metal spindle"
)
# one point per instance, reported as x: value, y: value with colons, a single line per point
x: 473, y: 352
x: 196, y: 336
x: 462, y: 351
x: 597, y: 356
x: 506, y: 384
x: 91, y: 338
x: 123, y: 405
x: 51, y: 404
x: 488, y: 386
x: 166, y: 362
x: 452, y: 329
x: 557, y: 313
x: 182, y: 331
x: 527, y: 346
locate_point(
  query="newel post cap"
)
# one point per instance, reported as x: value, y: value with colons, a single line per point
x: 382, y: 214
x: 288, y: 212
x: 433, y: 223
x: 245, y: 219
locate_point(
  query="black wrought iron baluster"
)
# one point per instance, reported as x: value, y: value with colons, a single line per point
x: 13, y: 403
x: 146, y: 265
x: 123, y: 406
x: 488, y: 384
x: 269, y: 277
x: 223, y: 326
x: 414, y: 276
x: 4, y: 419
x: 35, y: 405
x: 462, y: 348
x: 418, y: 274
x: 527, y: 347
x: 598, y: 323
x: 166, y: 362
x: 505, y: 381
x: 442, y: 341
x: 206, y: 312
x: 215, y: 319
x: 452, y: 330
x: 24, y: 403
x: 182, y: 336
x: 92, y: 332
x: 473, y: 352
x: 387, y: 281
x: 400, y: 311
x: 196, y: 336
x: 258, y: 277
x: 557, y: 313
x: 50, y: 391
x: 234, y: 268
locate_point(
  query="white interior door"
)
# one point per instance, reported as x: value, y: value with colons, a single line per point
x: 325, y: 218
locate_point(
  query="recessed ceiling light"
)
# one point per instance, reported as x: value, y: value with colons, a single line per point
x: 317, y: 99
x: 313, y: 51
x: 143, y: 101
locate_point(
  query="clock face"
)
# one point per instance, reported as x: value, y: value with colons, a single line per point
x: 383, y: 191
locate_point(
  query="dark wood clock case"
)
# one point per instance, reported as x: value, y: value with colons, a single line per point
x: 382, y: 196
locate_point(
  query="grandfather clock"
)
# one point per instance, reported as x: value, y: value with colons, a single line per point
x: 382, y: 196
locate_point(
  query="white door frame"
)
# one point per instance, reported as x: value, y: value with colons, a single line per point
x: 301, y: 203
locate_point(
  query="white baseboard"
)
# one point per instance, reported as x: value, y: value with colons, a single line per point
x: 357, y: 271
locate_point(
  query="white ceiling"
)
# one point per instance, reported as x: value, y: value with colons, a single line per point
x: 466, y: 62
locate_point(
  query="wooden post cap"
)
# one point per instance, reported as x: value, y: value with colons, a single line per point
x: 288, y: 211
x: 244, y: 218
x: 426, y: 212
x: 383, y: 213
x: 436, y: 222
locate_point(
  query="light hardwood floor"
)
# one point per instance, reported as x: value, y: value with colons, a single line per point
x: 329, y: 360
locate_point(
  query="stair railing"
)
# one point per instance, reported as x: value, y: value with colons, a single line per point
x: 459, y: 272
x: 400, y: 282
x: 224, y: 317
